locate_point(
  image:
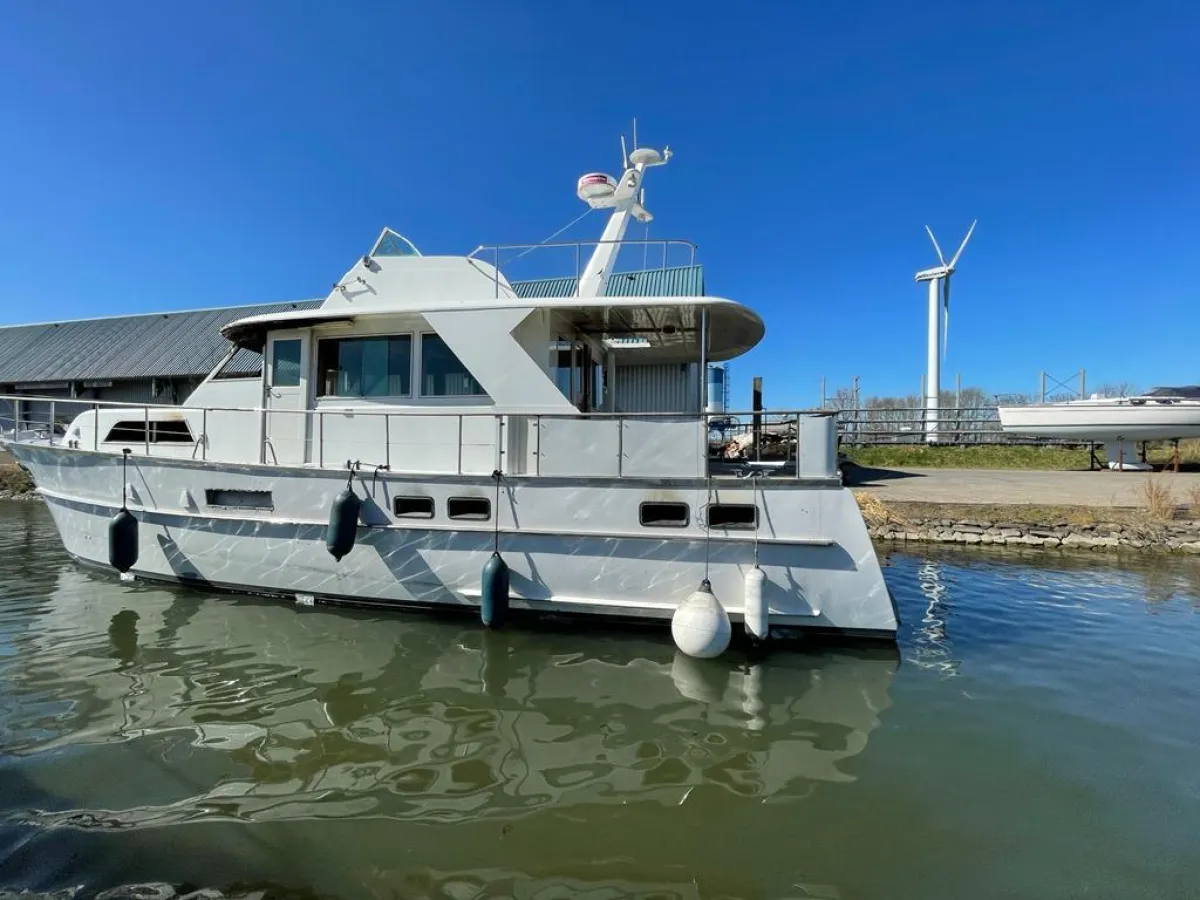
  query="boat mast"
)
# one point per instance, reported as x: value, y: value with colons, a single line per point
x: 624, y: 198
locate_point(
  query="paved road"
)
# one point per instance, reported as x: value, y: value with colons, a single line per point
x: 1104, y: 488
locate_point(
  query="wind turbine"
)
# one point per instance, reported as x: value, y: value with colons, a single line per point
x: 939, y: 282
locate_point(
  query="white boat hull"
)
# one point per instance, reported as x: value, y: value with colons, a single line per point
x: 1104, y: 420
x: 573, y: 547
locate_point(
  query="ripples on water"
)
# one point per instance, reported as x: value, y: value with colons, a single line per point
x: 1034, y: 734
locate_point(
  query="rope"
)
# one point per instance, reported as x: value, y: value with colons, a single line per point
x: 757, y: 517
x: 124, y: 478
x: 496, y: 514
x: 570, y: 224
x: 707, y: 526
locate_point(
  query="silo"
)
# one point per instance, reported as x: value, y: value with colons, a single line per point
x: 716, y: 389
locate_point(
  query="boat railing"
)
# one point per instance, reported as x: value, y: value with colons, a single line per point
x: 799, y: 443
x: 665, y: 252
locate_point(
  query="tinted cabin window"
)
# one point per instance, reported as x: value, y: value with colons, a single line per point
x: 285, y: 363
x: 732, y: 515
x: 365, y: 367
x: 478, y: 509
x: 442, y: 373
x: 413, y: 507
x: 664, y: 515
x: 175, y: 431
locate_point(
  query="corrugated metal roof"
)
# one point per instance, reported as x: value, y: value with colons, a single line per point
x: 155, y: 345
x: 676, y: 281
x: 182, y: 344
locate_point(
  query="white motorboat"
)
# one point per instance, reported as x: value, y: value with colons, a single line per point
x: 423, y: 439
x: 1164, y: 413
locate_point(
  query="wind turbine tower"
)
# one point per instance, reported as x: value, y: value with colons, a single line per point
x: 939, y: 301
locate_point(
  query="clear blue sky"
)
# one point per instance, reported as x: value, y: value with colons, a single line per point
x: 178, y: 155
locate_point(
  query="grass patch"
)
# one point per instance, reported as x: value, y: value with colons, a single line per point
x: 1161, y: 453
x: 14, y: 479
x: 998, y: 456
x: 876, y: 512
x: 1159, y: 499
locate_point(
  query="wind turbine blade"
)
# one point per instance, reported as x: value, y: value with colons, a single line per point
x: 970, y: 231
x: 945, y: 314
x: 941, y: 258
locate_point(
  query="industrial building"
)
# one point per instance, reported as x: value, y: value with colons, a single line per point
x: 162, y: 357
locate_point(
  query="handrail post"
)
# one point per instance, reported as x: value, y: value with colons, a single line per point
x: 204, y: 433
x: 499, y: 443
x: 387, y: 441
x: 52, y: 421
x: 146, y: 421
x: 458, y: 469
x: 798, y: 417
x: 321, y: 440
x: 537, y: 456
x: 96, y: 427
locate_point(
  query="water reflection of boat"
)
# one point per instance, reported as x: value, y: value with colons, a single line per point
x: 333, y: 713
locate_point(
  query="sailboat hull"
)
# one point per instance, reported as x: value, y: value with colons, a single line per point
x: 1104, y: 420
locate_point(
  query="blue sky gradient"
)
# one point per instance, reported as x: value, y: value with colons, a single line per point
x: 172, y: 156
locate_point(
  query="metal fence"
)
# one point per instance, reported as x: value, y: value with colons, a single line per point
x: 872, y: 426
x: 956, y: 426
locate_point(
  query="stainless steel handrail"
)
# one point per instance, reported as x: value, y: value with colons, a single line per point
x: 315, y: 430
x: 665, y: 243
x: 432, y: 410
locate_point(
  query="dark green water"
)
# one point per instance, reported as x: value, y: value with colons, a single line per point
x: 1037, y: 734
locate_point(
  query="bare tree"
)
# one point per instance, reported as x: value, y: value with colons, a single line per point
x: 1117, y: 389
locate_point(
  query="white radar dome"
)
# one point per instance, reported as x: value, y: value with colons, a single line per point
x: 645, y: 156
x: 596, y: 186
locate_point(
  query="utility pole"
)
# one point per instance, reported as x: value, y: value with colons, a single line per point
x: 756, y: 407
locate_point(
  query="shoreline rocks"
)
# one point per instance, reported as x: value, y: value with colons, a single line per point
x: 1162, y: 537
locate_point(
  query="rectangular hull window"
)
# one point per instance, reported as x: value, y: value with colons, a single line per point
x: 471, y: 509
x: 663, y: 515
x: 442, y: 374
x: 365, y: 367
x: 413, y: 507
x: 732, y: 515
x: 233, y: 499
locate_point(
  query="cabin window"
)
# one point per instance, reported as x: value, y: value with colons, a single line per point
x: 733, y: 515
x: 442, y: 373
x: 235, y: 499
x: 365, y: 367
x: 476, y: 509
x: 285, y: 363
x: 173, y: 431
x: 663, y: 515
x: 413, y: 507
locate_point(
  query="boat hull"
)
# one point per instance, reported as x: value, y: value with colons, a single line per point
x: 573, y: 547
x: 1103, y: 421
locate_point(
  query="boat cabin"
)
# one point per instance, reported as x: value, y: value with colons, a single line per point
x: 434, y: 364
